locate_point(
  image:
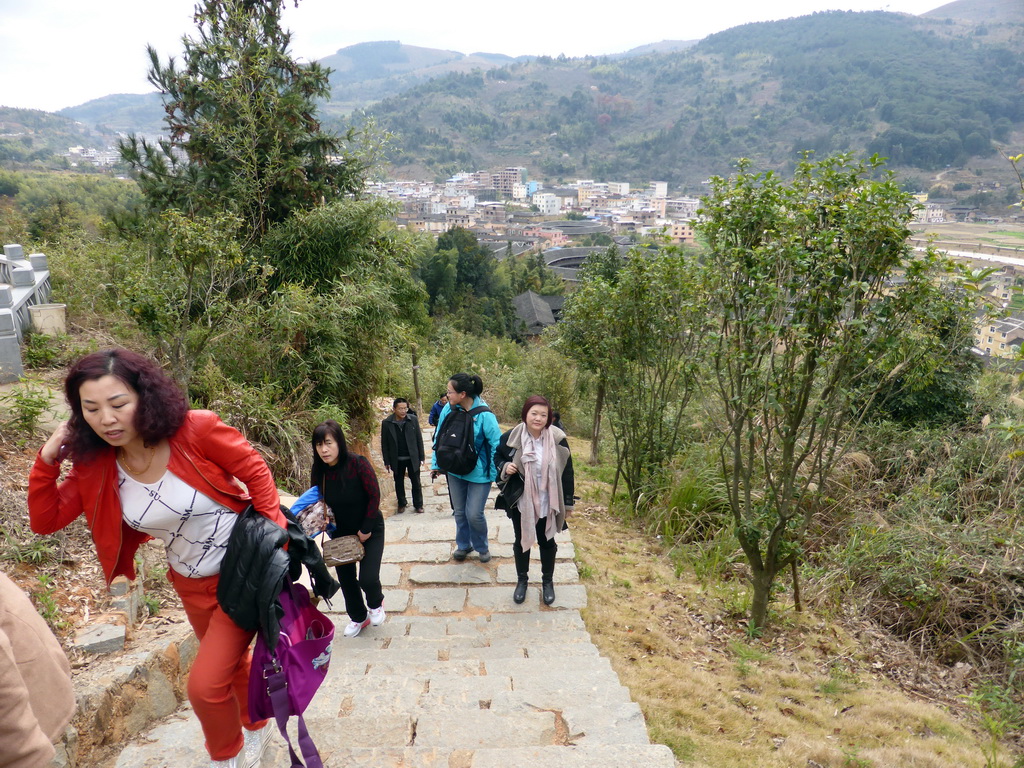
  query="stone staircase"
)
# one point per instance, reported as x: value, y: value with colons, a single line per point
x: 458, y: 676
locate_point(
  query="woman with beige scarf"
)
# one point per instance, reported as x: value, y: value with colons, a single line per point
x: 536, y: 480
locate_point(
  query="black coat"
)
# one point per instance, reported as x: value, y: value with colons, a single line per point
x: 390, y: 449
x: 255, y: 564
x: 511, y: 487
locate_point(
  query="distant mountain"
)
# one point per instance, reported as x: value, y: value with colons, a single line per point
x: 368, y: 72
x: 926, y: 93
x: 665, y: 46
x: 31, y: 136
x: 363, y: 74
x: 140, y: 113
x: 981, y: 11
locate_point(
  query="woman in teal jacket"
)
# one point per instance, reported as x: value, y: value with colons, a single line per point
x: 469, y: 492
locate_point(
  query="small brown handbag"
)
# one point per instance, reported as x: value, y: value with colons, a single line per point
x: 343, y: 550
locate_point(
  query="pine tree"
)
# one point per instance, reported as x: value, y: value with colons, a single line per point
x: 243, y: 133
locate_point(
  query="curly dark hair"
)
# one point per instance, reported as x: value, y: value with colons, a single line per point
x: 159, y: 414
x: 329, y: 428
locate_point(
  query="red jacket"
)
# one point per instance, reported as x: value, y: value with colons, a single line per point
x: 205, y: 452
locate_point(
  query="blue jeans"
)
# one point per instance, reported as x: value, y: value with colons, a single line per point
x: 468, y: 501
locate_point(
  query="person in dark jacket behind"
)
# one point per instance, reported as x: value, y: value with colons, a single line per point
x: 401, y: 447
x: 145, y: 466
x: 435, y: 411
x: 347, y: 484
x: 536, y: 479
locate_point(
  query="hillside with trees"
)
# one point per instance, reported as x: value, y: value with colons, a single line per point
x: 925, y: 93
x: 930, y: 92
x: 35, y: 139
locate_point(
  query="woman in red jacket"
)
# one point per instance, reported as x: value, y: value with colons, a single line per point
x: 145, y: 466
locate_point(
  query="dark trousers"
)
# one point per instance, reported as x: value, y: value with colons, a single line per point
x: 399, y: 468
x: 368, y: 579
x: 548, y: 548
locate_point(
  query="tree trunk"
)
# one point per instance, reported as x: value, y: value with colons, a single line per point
x: 416, y: 381
x: 595, y: 433
x: 761, y: 580
x: 796, y: 588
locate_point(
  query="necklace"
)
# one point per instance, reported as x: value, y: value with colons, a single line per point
x: 126, y: 465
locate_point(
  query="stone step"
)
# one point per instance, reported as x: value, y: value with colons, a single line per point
x: 178, y: 743
x: 382, y: 688
x: 458, y: 676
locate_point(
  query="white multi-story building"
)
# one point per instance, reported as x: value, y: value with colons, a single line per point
x: 547, y: 203
x: 682, y: 207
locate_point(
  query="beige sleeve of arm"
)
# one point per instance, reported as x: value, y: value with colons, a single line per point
x: 22, y: 742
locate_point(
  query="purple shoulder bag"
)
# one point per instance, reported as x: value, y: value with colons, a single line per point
x: 283, y: 680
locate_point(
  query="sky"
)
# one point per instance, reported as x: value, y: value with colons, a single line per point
x: 61, y: 53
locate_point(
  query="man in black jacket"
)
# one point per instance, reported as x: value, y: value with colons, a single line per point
x: 401, y: 445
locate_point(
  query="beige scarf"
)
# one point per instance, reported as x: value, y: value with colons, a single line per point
x: 534, y: 484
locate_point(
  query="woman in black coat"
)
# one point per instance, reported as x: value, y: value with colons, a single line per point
x: 536, y: 480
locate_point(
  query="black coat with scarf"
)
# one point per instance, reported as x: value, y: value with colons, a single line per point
x: 512, y: 487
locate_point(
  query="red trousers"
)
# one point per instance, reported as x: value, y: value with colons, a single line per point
x: 218, y: 685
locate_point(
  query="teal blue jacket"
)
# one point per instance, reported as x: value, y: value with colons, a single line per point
x: 486, y: 435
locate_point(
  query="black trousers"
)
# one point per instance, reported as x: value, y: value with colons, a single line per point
x: 400, y: 467
x: 367, y: 579
x: 543, y: 542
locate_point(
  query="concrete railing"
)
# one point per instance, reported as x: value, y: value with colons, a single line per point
x: 24, y: 283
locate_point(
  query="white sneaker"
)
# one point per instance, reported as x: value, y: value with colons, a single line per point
x: 255, y: 745
x: 377, y: 616
x: 355, y: 627
x: 234, y: 762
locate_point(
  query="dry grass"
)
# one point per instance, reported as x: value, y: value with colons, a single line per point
x: 809, y: 693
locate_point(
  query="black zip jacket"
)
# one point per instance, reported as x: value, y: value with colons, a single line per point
x: 255, y: 564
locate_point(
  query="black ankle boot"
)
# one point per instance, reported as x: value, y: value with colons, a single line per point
x: 523, y: 572
x: 519, y: 596
x: 548, y: 589
x: 547, y: 572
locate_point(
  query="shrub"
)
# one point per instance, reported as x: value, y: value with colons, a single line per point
x: 929, y: 550
x: 24, y: 406
x: 277, y: 422
x: 542, y: 371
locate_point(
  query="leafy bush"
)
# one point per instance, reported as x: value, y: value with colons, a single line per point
x: 542, y: 371
x: 44, y: 351
x: 930, y: 551
x: 89, y: 276
x: 24, y: 406
x: 277, y: 422
x: 495, y: 360
x: 317, y: 349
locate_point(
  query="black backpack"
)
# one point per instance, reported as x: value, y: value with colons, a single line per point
x: 454, y: 445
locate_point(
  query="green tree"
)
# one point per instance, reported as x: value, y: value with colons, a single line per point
x: 642, y: 331
x: 243, y: 133
x: 531, y: 273
x: 581, y: 334
x: 811, y: 324
x: 463, y: 282
x: 194, y: 277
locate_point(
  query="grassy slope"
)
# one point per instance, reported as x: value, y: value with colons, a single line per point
x: 815, y: 690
